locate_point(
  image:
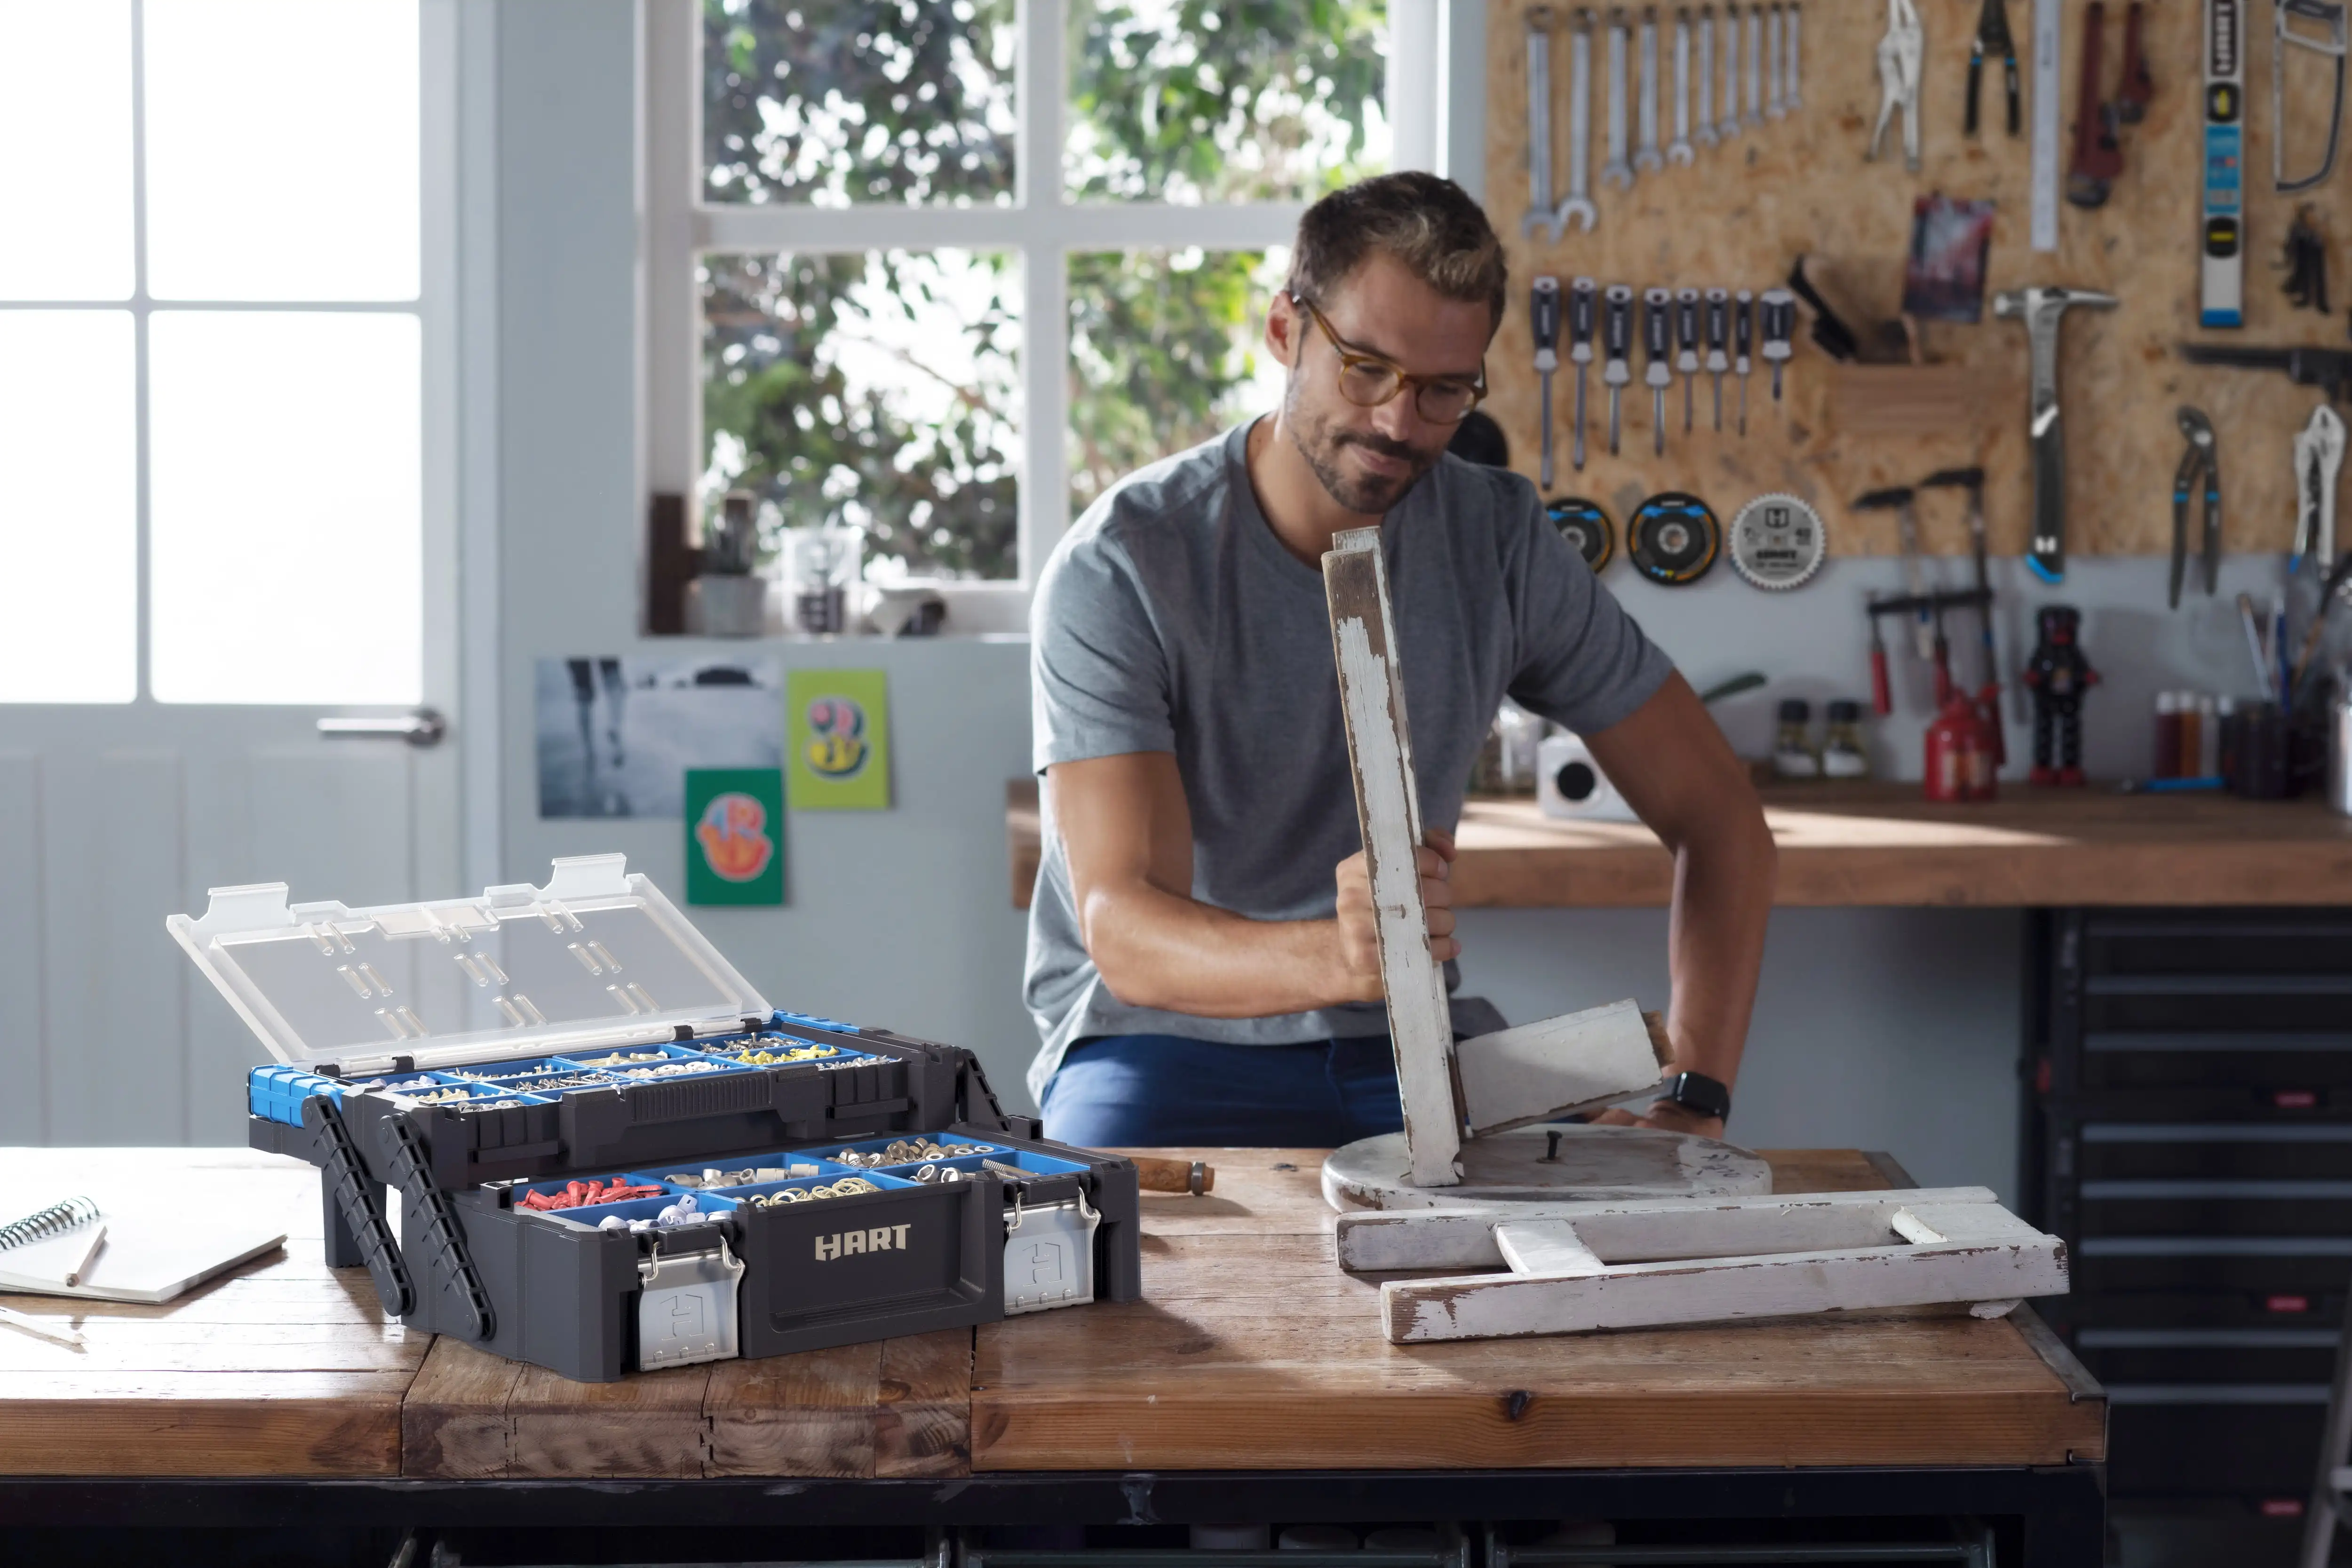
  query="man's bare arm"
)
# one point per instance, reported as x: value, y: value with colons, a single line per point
x: 1127, y: 835
x: 1675, y: 768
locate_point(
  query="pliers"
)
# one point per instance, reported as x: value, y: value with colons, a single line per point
x: 2318, y: 454
x: 1993, y: 39
x: 2201, y: 461
x: 1899, y: 53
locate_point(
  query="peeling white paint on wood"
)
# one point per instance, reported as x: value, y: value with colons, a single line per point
x: 1580, y: 1266
x: 1576, y: 1062
x: 1548, y: 1164
x: 1387, y: 809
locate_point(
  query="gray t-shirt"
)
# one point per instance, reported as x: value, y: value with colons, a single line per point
x: 1172, y: 619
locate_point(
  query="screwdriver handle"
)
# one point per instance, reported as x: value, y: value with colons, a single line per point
x: 1655, y: 324
x: 1718, y: 329
x: 1582, y: 295
x: 1780, y: 322
x: 1543, y: 317
x: 1686, y: 330
x: 1743, y: 329
x: 1617, y: 323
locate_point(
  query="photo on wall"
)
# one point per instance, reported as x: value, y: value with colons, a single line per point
x: 734, y: 836
x: 616, y: 736
x: 840, y: 725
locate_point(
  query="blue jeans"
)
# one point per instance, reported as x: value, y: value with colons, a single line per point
x: 1131, y: 1091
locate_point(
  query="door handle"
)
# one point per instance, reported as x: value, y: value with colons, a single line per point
x: 424, y: 727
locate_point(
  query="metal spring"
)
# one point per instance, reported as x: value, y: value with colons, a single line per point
x: 54, y: 1220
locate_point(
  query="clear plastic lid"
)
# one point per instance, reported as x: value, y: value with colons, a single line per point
x: 597, y: 955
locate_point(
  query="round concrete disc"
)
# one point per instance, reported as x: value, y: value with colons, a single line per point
x: 1594, y: 1163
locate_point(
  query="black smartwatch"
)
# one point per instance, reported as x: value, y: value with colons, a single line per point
x: 1699, y: 1094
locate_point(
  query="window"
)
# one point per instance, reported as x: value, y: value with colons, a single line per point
x: 945, y: 270
x: 210, y: 351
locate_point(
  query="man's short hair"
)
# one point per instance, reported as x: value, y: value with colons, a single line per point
x: 1428, y: 222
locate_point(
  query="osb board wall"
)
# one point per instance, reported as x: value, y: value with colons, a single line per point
x: 1747, y: 208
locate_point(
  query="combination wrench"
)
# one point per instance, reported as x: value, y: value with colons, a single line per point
x: 1579, y: 203
x: 1754, y: 118
x: 1617, y: 171
x: 1727, y: 126
x: 1646, y: 157
x: 1788, y: 95
x: 1704, y: 133
x: 1678, y: 151
x: 1730, y: 126
x: 1541, y: 214
x: 1774, y: 107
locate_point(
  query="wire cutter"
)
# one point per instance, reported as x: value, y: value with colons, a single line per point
x: 2200, y: 463
x: 1993, y: 39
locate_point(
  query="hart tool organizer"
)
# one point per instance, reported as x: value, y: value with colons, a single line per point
x: 613, y: 1154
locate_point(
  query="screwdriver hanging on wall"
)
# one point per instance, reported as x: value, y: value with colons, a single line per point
x: 1617, y: 343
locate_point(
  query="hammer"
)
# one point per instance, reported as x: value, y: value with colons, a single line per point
x: 2041, y: 309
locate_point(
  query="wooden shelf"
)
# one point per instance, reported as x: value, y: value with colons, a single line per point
x: 1882, y: 844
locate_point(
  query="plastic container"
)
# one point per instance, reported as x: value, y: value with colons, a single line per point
x: 1844, y: 754
x: 1794, y: 756
x: 403, y: 1035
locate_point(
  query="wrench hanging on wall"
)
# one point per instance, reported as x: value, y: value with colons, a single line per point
x: 1646, y: 156
x: 1728, y: 126
x: 1773, y: 105
x: 1789, y: 95
x: 1678, y: 151
x: 1541, y: 214
x: 1754, y: 118
x: 1578, y: 204
x: 1702, y: 132
x: 1618, y: 171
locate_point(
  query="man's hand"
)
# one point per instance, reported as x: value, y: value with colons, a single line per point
x: 1359, y: 945
x: 1665, y: 1115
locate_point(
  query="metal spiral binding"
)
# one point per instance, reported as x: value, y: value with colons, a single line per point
x: 54, y: 1220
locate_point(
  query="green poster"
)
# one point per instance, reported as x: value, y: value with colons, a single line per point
x: 839, y: 755
x: 734, y: 836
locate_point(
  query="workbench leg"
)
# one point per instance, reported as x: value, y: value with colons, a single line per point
x: 2067, y: 1527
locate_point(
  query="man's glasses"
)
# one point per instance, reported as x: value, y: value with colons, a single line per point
x: 1368, y: 381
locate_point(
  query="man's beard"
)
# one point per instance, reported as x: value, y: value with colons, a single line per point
x: 1323, y: 448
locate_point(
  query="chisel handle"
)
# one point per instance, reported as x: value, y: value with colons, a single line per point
x: 1158, y: 1175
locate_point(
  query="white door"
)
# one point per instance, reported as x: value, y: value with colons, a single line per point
x: 226, y: 518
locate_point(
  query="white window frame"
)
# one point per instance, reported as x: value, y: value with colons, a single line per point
x: 1041, y: 223
x: 437, y: 56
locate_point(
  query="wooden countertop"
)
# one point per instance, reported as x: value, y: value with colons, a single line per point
x: 1250, y: 1349
x: 1881, y: 844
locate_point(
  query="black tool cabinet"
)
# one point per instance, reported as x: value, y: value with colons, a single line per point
x: 2188, y: 1132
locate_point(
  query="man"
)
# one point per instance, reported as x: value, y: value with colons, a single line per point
x: 1201, y: 957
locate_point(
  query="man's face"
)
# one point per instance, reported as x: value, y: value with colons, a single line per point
x: 1368, y: 457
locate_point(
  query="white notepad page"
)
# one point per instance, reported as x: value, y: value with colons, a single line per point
x: 147, y: 1257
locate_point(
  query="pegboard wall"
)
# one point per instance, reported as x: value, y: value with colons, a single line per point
x: 1739, y: 215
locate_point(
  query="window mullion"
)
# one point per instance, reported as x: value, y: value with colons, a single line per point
x: 1039, y: 92
x: 142, y: 490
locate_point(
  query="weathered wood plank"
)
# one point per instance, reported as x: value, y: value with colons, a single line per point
x: 806, y: 1415
x: 647, y: 1424
x: 454, y: 1422
x: 922, y: 1425
x: 1388, y: 810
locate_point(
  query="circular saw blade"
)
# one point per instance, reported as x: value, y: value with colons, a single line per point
x: 1777, y: 542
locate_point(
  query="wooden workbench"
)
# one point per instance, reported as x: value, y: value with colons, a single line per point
x: 1249, y: 1352
x: 1881, y: 844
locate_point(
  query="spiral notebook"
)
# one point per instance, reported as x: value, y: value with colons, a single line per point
x: 148, y: 1257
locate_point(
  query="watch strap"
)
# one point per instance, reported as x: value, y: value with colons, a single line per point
x: 1697, y: 1093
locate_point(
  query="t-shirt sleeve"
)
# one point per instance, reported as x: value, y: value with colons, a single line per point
x: 1583, y: 662
x: 1098, y: 674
